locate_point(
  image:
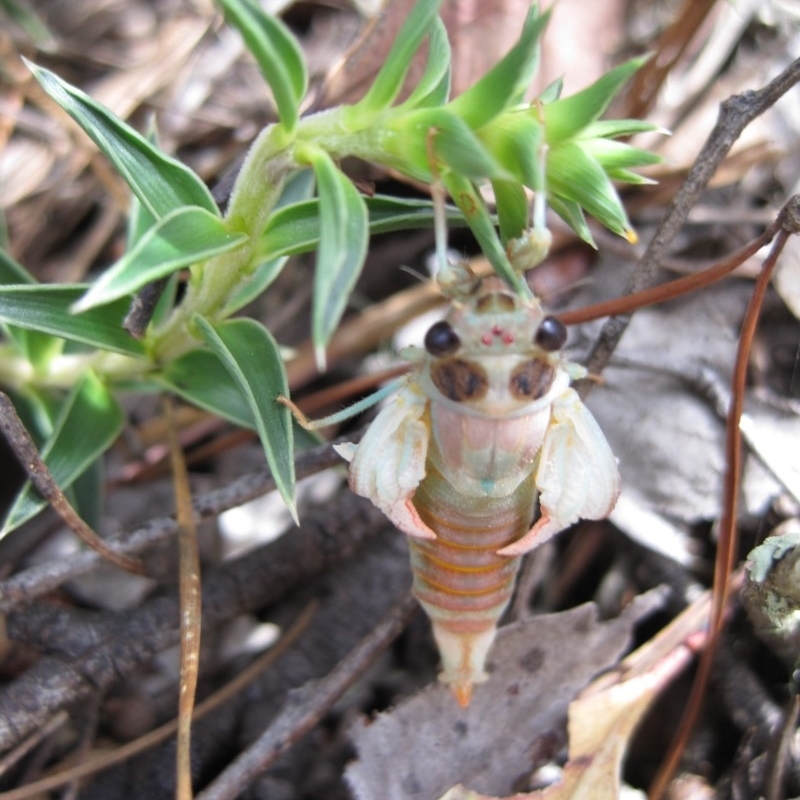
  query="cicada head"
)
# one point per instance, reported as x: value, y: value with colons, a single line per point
x: 495, y: 353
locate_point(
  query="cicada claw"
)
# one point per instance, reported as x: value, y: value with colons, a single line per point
x: 544, y: 529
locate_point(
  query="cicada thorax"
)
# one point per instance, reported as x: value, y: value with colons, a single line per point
x: 490, y: 387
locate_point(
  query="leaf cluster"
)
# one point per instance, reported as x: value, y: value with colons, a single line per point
x: 66, y: 351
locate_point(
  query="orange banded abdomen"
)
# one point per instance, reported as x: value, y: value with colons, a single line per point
x: 460, y: 580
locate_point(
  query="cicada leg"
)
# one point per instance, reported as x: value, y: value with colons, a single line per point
x: 577, y: 476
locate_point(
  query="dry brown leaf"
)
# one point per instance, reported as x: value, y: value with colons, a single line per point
x: 600, y: 726
x: 766, y: 430
x: 515, y: 721
x: 605, y: 715
x: 24, y: 167
x: 667, y: 437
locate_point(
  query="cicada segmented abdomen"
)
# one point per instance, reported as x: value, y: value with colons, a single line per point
x: 459, y: 578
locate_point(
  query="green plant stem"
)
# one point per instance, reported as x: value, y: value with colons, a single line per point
x: 18, y: 375
x: 270, y: 161
x: 257, y: 189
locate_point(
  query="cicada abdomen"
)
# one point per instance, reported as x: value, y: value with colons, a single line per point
x: 484, y: 425
x: 461, y: 581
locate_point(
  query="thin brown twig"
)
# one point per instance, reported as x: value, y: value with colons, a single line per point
x: 735, y: 114
x: 109, y: 647
x: 305, y: 707
x: 96, y: 764
x: 190, y: 606
x: 671, y: 45
x: 44, y: 483
x: 18, y: 753
x: 143, y: 306
x: 666, y: 291
x: 726, y: 549
x: 38, y: 580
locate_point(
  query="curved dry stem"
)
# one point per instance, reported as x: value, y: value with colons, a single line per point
x: 42, y: 578
x: 190, y: 606
x: 44, y: 483
x: 726, y: 549
x: 735, y: 114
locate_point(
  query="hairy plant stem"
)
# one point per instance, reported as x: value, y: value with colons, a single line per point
x: 62, y: 372
x: 271, y: 160
x: 258, y: 187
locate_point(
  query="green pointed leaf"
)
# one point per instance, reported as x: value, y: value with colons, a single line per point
x: 614, y: 128
x: 507, y: 81
x: 434, y: 86
x: 37, y: 347
x: 480, y: 222
x: 254, y: 285
x: 184, y: 237
x: 516, y: 140
x: 11, y: 271
x: 344, y: 234
x: 87, y: 494
x: 295, y: 229
x: 166, y: 302
x: 88, y: 423
x: 140, y: 220
x: 568, y: 116
x: 572, y: 214
x: 627, y: 176
x: 552, y: 91
x: 253, y: 361
x: 512, y: 208
x: 389, y: 80
x: 201, y: 378
x: 407, y: 139
x: 36, y: 31
x: 299, y: 186
x: 277, y: 52
x: 574, y: 175
x: 387, y: 214
x: 618, y: 155
x: 161, y: 183
x: 46, y: 308
x: 458, y: 147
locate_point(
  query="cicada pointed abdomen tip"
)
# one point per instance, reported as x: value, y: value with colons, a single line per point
x: 463, y: 655
x: 463, y: 693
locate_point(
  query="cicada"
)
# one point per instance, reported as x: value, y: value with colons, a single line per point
x: 485, y: 425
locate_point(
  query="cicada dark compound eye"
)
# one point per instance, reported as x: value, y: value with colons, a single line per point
x: 441, y: 339
x: 552, y: 334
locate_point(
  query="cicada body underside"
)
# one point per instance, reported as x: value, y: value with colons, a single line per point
x: 484, y: 426
x: 460, y: 579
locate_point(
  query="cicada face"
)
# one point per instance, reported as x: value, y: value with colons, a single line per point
x: 494, y: 355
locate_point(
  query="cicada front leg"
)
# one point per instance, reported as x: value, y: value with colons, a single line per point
x: 577, y: 476
x: 388, y: 464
